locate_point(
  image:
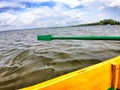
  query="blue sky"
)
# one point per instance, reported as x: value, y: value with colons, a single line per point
x: 18, y: 14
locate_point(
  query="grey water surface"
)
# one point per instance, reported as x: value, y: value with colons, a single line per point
x: 24, y: 61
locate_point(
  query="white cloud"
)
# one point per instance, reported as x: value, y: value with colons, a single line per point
x: 39, y: 17
x: 32, y: 0
x: 7, y: 19
x: 86, y: 2
x: 59, y: 15
x: 114, y: 3
x: 101, y: 8
x: 70, y: 3
x: 9, y: 4
x: 111, y: 3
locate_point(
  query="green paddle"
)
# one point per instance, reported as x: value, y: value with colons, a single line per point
x: 50, y: 37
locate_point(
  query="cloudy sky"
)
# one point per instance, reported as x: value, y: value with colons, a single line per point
x: 17, y: 14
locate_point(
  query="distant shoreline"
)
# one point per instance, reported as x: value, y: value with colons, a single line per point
x: 101, y: 22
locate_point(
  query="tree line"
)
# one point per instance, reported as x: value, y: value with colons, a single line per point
x: 109, y: 21
x: 102, y: 22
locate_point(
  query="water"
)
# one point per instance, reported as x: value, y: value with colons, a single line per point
x: 24, y: 61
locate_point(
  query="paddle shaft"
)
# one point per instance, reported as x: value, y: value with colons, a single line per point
x: 50, y: 37
x: 87, y: 38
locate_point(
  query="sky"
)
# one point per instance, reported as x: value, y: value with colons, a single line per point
x: 21, y: 14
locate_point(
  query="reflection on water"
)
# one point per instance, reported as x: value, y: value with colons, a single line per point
x: 24, y: 61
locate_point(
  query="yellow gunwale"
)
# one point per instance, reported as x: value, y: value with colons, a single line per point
x: 95, y: 77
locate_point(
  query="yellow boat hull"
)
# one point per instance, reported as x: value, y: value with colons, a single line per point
x: 102, y: 76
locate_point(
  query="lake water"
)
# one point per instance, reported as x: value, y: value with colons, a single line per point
x: 24, y: 61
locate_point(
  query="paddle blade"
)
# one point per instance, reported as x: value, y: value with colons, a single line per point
x: 44, y: 37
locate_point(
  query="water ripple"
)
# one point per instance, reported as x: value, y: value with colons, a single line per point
x: 24, y: 61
